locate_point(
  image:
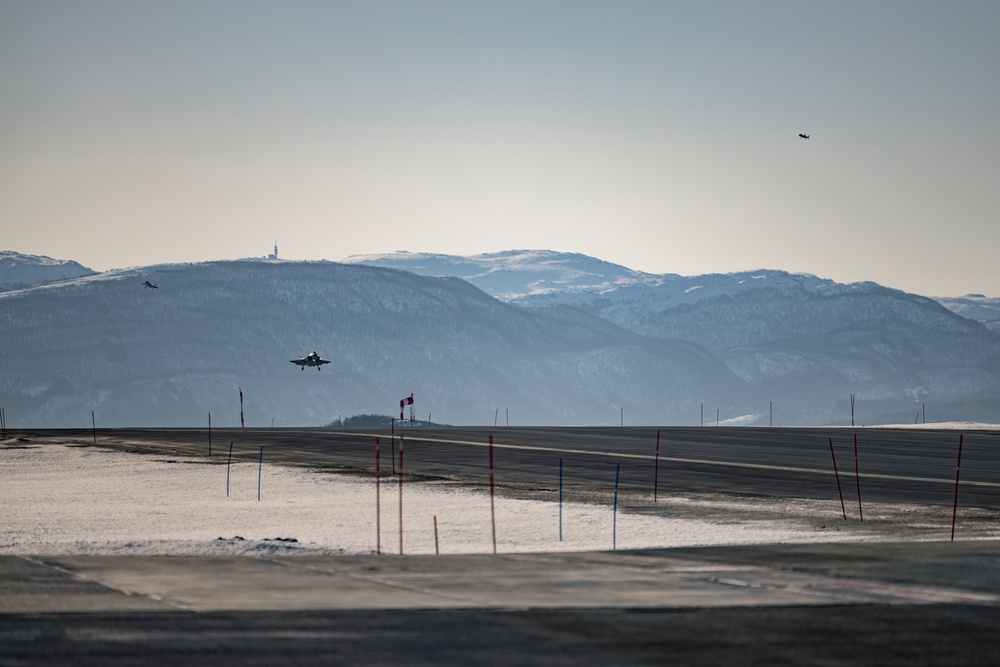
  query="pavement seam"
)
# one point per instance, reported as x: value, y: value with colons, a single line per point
x: 124, y: 591
x: 383, y: 581
x: 851, y: 589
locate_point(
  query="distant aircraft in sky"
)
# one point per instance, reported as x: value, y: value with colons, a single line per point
x: 148, y: 284
x: 804, y: 136
x: 311, y: 359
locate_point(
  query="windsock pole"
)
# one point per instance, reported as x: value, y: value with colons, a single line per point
x: 400, y: 495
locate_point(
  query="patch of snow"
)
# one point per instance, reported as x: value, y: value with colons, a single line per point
x: 742, y: 420
x: 82, y: 500
x: 955, y: 426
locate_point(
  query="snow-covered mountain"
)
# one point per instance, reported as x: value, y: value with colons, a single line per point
x: 525, y: 276
x: 576, y: 341
x: 172, y: 355
x: 515, y: 274
x: 18, y: 270
x: 778, y: 331
x: 977, y: 307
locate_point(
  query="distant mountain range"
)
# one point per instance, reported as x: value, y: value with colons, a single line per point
x: 976, y: 307
x: 18, y: 270
x: 518, y: 275
x: 555, y: 338
x: 782, y: 333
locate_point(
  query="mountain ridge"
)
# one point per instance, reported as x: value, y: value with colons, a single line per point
x: 577, y: 339
x: 773, y: 328
x: 169, y: 356
x: 19, y: 270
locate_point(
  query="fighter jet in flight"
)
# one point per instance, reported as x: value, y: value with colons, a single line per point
x: 804, y: 136
x: 311, y: 359
x: 148, y: 284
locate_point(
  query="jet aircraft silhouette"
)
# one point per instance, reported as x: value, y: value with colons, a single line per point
x: 148, y: 284
x: 804, y: 136
x: 311, y: 359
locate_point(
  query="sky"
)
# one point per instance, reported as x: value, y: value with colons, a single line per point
x: 662, y: 136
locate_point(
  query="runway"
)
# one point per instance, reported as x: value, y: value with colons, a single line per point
x: 903, y: 466
x: 899, y: 602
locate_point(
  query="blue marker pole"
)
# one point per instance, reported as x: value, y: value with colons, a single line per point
x: 614, y: 520
x: 560, y: 499
x: 260, y: 467
x: 228, y: 466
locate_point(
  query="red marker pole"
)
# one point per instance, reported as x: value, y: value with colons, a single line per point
x: 493, y: 516
x: 378, y: 500
x: 242, y: 424
x: 656, y: 466
x: 954, y: 509
x: 837, y: 475
x: 857, y: 477
x: 400, y: 495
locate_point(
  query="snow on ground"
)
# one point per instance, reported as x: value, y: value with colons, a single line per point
x: 60, y: 499
x: 938, y: 426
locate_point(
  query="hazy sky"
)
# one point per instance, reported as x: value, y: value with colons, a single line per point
x: 658, y: 135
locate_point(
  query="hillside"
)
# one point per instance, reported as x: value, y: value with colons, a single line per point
x: 172, y: 355
x: 977, y: 307
x: 515, y: 274
x: 793, y: 337
x: 18, y: 270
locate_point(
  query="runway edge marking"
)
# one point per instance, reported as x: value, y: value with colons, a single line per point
x: 674, y: 459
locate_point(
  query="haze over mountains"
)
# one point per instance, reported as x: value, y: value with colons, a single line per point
x: 555, y: 338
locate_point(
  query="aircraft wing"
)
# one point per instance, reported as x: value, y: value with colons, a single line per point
x: 321, y: 361
x: 300, y: 362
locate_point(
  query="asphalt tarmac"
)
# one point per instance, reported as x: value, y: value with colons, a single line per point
x: 836, y: 604
x: 887, y: 603
x: 902, y: 466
